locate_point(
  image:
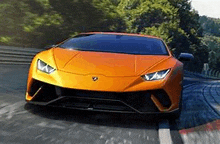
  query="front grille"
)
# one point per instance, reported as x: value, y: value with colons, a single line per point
x: 96, y: 104
x: 120, y: 101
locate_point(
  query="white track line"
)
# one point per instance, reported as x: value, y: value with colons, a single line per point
x: 164, y: 132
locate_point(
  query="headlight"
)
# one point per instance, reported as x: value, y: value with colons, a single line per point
x: 42, y: 66
x: 156, y: 75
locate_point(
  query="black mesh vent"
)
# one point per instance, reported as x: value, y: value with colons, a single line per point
x: 163, y: 98
x: 46, y: 94
x: 35, y: 85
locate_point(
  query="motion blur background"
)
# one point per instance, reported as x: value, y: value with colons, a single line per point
x: 38, y: 23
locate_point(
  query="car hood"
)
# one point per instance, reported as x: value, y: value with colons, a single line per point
x: 103, y: 63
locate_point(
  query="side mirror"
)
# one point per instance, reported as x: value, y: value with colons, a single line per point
x: 185, y: 57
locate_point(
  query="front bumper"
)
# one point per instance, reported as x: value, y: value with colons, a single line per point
x: 148, y: 101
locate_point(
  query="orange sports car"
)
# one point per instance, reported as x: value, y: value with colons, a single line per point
x: 100, y: 71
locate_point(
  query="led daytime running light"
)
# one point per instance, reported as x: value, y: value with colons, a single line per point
x: 156, y: 75
x: 42, y: 66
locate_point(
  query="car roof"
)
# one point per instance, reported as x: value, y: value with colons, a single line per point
x: 117, y: 33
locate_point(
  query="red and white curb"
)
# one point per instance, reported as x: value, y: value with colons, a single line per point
x: 207, y: 133
x: 206, y: 127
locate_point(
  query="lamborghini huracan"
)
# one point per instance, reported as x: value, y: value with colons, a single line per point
x: 110, y: 72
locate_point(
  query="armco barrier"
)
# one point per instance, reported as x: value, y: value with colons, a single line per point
x: 213, y: 74
x: 17, y: 55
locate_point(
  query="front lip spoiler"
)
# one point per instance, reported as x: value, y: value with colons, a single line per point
x: 133, y: 110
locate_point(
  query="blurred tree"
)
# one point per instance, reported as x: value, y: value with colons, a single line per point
x: 189, y: 23
x: 78, y: 15
x: 28, y: 22
x: 211, y: 38
x: 37, y: 23
x: 12, y: 15
x: 213, y: 46
x: 211, y: 26
x: 153, y: 17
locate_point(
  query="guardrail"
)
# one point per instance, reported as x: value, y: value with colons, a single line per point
x: 213, y: 74
x: 17, y: 55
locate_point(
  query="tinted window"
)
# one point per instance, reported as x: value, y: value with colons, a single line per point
x: 116, y: 44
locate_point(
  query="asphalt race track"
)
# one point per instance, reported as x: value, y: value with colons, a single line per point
x: 23, y: 123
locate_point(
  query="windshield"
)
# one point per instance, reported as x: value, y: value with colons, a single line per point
x: 116, y: 44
